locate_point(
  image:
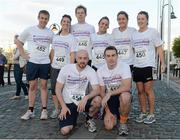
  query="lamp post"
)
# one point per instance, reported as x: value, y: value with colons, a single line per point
x: 171, y: 15
x: 55, y: 28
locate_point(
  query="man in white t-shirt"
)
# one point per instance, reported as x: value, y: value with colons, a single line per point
x: 71, y: 91
x: 38, y: 39
x: 115, y: 83
x: 82, y: 31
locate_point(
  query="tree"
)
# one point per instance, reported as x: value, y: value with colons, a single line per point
x: 176, y: 47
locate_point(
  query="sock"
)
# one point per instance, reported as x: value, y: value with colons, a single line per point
x: 44, y: 108
x: 31, y: 108
x: 123, y: 119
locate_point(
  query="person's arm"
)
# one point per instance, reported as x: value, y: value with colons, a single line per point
x: 94, y: 92
x: 161, y: 57
x: 65, y: 109
x: 124, y: 87
x: 51, y: 55
x: 103, y: 94
x: 21, y: 49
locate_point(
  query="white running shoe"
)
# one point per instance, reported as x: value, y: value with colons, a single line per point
x: 28, y: 115
x: 44, y: 115
x: 15, y: 97
x: 141, y: 117
x: 150, y: 119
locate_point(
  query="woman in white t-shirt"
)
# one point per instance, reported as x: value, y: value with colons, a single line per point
x: 100, y: 41
x: 62, y: 53
x: 122, y: 37
x: 145, y: 43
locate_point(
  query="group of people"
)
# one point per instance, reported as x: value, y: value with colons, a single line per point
x: 92, y: 71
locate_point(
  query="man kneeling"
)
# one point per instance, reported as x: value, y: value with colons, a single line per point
x: 71, y: 87
x: 115, y: 84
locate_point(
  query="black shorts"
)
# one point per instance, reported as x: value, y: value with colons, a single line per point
x: 35, y: 71
x: 114, y: 104
x: 143, y: 74
x: 72, y: 119
x: 53, y: 77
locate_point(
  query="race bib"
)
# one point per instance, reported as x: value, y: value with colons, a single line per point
x: 112, y: 87
x: 141, y: 55
x: 76, y: 96
x: 61, y: 57
x: 60, y: 61
x: 99, y: 56
x: 41, y: 50
x: 83, y: 43
x: 123, y: 52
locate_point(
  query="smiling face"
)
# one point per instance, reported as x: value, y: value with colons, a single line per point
x: 66, y: 23
x: 103, y: 25
x: 142, y: 21
x: 43, y: 20
x: 122, y: 21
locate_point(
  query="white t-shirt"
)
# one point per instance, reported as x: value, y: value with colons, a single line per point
x: 112, y: 79
x: 144, y: 44
x: 99, y: 43
x: 82, y: 33
x: 76, y: 83
x: 38, y: 43
x: 62, y: 46
x: 123, y: 43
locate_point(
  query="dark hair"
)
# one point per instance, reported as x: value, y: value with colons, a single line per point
x: 110, y: 48
x: 43, y: 12
x: 144, y: 13
x: 16, y: 36
x: 105, y: 17
x: 123, y: 13
x: 81, y: 7
x: 65, y: 16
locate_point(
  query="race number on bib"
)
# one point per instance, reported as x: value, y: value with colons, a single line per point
x: 60, y: 61
x: 99, y: 55
x: 41, y: 50
x: 76, y: 96
x: 124, y: 52
x: 83, y: 43
x: 112, y: 87
x: 141, y: 55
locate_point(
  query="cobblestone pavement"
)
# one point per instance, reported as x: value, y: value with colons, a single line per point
x: 167, y: 125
